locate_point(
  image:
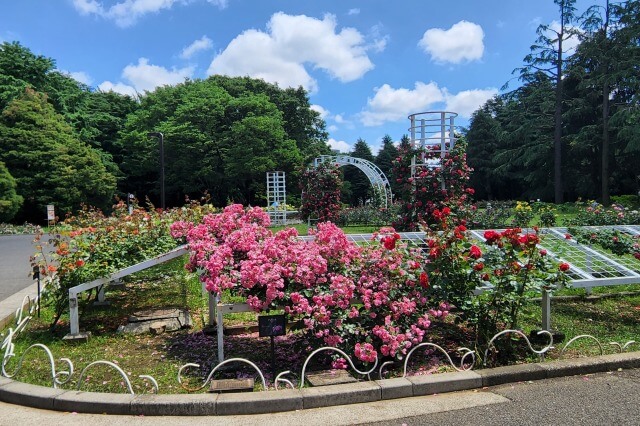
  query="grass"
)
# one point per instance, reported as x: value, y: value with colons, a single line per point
x: 303, y: 229
x: 609, y: 319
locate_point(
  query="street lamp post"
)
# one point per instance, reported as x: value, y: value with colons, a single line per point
x: 160, y: 137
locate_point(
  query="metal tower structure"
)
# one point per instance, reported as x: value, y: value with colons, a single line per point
x: 433, y: 131
x: 277, y: 198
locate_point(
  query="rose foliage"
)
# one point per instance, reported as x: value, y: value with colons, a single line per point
x: 321, y: 192
x: 91, y: 245
x: 508, y: 266
x: 317, y: 281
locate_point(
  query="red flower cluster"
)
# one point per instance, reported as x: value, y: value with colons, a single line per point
x: 389, y: 241
x: 425, y: 198
x: 475, y: 252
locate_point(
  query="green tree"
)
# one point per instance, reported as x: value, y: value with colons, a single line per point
x: 256, y: 143
x: 10, y: 201
x: 359, y: 184
x: 483, y: 137
x: 49, y: 163
x: 301, y: 123
x: 547, y: 56
x: 384, y: 160
x: 19, y: 69
x: 220, y: 137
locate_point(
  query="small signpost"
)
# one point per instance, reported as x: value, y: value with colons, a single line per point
x: 51, y: 214
x: 272, y: 326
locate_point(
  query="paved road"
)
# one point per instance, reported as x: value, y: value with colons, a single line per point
x: 15, y: 269
x: 599, y: 399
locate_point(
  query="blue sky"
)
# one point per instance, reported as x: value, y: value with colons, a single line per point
x: 367, y: 64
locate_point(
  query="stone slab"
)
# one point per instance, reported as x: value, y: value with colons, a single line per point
x: 94, y: 402
x: 259, y: 402
x: 154, y: 314
x: 201, y: 404
x: 511, y: 374
x: 398, y: 387
x: 157, y: 321
x: 445, y: 382
x: 29, y: 395
x: 232, y: 385
x: 352, y: 393
x: 330, y: 377
x: 80, y: 337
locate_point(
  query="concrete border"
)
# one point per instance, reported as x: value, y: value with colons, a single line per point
x: 297, y: 399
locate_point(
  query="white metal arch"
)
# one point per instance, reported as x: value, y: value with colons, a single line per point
x: 376, y: 176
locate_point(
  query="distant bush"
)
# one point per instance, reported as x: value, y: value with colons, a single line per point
x: 628, y: 201
x: 591, y: 213
x: 367, y: 215
x: 27, y: 228
x: 491, y: 215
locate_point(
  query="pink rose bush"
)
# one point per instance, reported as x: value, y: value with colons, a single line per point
x: 370, y: 301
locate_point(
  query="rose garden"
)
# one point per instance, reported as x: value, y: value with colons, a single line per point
x: 443, y: 274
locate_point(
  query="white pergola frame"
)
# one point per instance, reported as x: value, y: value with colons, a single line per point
x: 376, y: 177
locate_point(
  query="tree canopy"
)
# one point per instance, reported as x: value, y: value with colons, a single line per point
x: 587, y: 97
x: 50, y: 164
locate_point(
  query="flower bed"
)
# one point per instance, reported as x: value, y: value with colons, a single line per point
x: 400, y: 289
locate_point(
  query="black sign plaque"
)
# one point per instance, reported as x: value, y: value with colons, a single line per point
x: 271, y: 325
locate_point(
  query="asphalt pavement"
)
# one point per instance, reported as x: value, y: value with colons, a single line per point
x: 15, y: 268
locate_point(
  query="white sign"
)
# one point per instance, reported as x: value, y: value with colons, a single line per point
x: 51, y: 212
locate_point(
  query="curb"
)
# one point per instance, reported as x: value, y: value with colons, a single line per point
x: 298, y: 399
x: 10, y: 305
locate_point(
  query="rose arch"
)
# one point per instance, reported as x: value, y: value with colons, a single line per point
x: 376, y: 176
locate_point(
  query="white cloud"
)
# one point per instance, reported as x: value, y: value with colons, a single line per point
x: 338, y: 118
x: 127, y: 12
x: 462, y: 42
x: 81, y: 76
x: 280, y: 54
x: 87, y: 7
x: 467, y: 101
x: 380, y: 41
x: 389, y: 104
x: 393, y: 105
x: 535, y: 22
x: 568, y: 44
x: 222, y: 4
x: 199, y: 45
x: 340, y: 146
x: 354, y: 11
x: 124, y: 89
x: 324, y: 113
x: 332, y: 128
x: 145, y: 76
